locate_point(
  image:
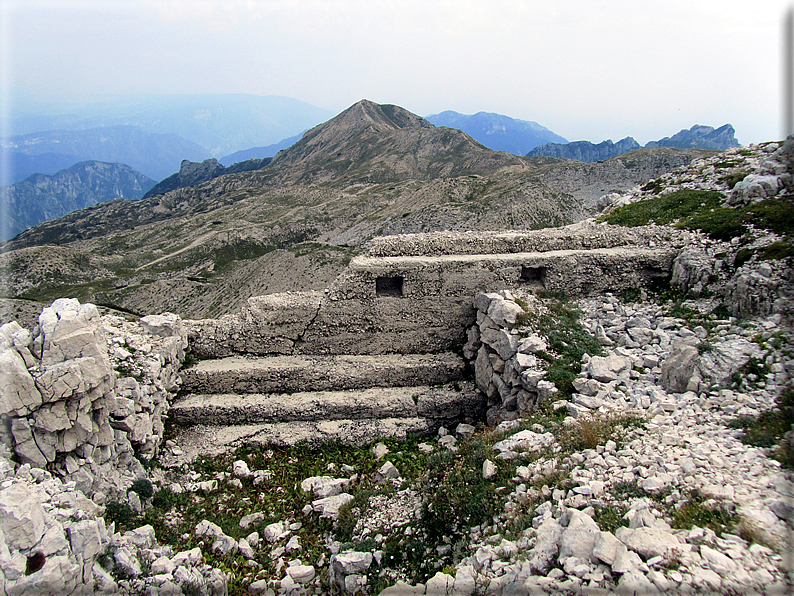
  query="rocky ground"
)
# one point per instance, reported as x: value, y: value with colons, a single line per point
x: 639, y: 489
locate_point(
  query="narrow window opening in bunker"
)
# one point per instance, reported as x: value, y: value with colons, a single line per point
x: 389, y: 287
x: 534, y: 276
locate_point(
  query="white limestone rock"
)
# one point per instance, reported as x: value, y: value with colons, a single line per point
x: 18, y: 392
x: 441, y: 584
x: 21, y: 516
x: 329, y: 506
x: 649, y: 542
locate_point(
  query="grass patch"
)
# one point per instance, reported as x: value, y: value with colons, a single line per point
x: 701, y: 210
x: 665, y: 209
x: 771, y: 214
x: 703, y: 513
x: 721, y: 223
x: 568, y: 341
x: 769, y: 428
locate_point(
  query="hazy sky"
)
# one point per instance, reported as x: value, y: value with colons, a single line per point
x: 586, y: 69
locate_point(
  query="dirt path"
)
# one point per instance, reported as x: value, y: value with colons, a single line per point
x: 193, y: 244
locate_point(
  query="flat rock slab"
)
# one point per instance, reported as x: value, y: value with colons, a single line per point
x: 280, y: 374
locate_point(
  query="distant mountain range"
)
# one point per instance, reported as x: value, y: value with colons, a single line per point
x: 700, y: 137
x: 170, y: 138
x: 585, y: 150
x: 44, y: 197
x: 697, y: 137
x: 497, y: 132
x: 219, y: 123
x: 259, y: 152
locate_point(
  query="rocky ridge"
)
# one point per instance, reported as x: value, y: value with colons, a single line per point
x: 697, y: 137
x: 41, y: 198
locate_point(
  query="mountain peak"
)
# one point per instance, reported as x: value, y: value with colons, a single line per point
x: 366, y: 113
x: 375, y: 142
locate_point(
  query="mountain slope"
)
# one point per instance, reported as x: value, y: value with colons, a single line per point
x: 154, y: 155
x: 295, y: 223
x: 498, y: 132
x: 373, y: 143
x: 41, y: 197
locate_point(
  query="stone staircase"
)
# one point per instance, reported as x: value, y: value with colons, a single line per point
x: 352, y: 399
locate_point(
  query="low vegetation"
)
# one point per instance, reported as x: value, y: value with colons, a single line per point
x: 568, y: 341
x: 702, y: 210
x: 770, y: 427
x: 454, y: 502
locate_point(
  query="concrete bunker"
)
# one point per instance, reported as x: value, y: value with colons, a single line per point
x: 435, y: 292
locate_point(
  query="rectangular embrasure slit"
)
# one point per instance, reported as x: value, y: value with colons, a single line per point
x: 534, y: 276
x: 389, y: 287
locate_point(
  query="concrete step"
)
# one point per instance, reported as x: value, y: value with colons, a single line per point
x: 198, y: 440
x: 449, y: 401
x: 285, y: 374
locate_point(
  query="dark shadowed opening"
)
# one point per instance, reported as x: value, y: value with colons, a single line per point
x: 389, y: 286
x: 534, y: 276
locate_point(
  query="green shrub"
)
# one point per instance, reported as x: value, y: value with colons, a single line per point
x: 654, y: 186
x: 568, y: 341
x: 721, y: 312
x: 143, y: 487
x: 770, y: 426
x: 772, y: 214
x: 742, y: 256
x: 456, y: 496
x: 776, y: 251
x: 610, y: 517
x: 733, y: 179
x: 122, y: 514
x: 720, y: 223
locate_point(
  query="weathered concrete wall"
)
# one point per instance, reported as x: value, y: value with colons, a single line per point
x: 418, y: 303
x: 583, y: 236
